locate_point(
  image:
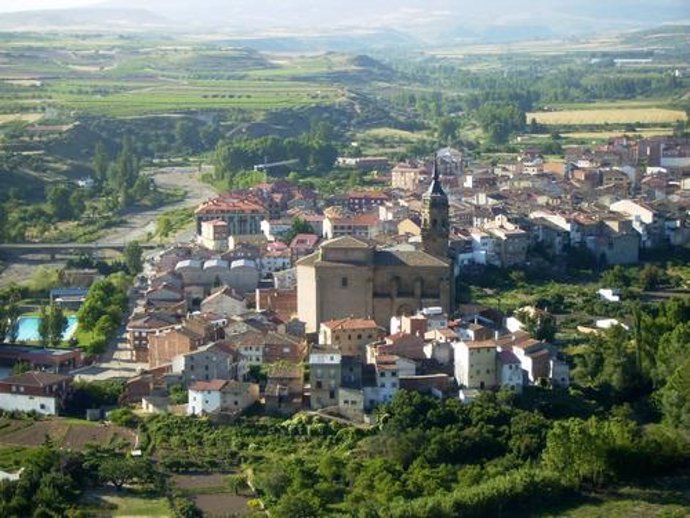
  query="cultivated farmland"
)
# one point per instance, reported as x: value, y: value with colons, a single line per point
x: 608, y: 116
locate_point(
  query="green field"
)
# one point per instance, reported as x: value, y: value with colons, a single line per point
x: 125, y: 503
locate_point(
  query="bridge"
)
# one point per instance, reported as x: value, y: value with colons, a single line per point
x: 55, y: 248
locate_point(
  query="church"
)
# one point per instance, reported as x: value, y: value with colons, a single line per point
x: 349, y: 277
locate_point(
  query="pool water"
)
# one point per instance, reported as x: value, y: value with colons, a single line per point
x: 28, y: 329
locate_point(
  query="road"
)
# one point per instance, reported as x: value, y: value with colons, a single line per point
x: 137, y: 225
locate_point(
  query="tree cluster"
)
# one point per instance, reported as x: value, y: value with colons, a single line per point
x: 103, y: 310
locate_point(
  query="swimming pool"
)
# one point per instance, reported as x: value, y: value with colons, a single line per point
x: 28, y: 329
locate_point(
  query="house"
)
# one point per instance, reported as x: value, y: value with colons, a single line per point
x: 303, y: 244
x: 275, y: 261
x: 209, y: 362
x: 645, y: 221
x: 225, y: 302
x: 324, y: 377
x: 214, y: 235
x: 408, y: 177
x: 349, y: 335
x: 141, y: 328
x: 283, y: 348
x: 411, y: 226
x: 475, y: 364
x: 165, y: 346
x: 364, y: 226
x: 509, y: 371
x: 284, y: 389
x: 41, y: 392
x: 609, y: 294
x: 215, y: 396
x: 242, y: 214
x: 283, y: 302
x: 388, y: 371
x: 365, y: 201
x: 58, y: 361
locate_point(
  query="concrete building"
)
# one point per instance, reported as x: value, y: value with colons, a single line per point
x: 41, y: 392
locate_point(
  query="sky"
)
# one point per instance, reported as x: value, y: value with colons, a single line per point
x: 25, y: 5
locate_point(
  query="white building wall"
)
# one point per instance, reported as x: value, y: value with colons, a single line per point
x: 26, y: 403
x: 203, y: 402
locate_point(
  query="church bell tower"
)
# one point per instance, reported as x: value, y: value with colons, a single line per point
x: 435, y: 225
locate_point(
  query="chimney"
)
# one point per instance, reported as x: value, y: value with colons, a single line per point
x: 497, y: 334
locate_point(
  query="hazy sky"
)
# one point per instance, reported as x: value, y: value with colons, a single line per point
x: 24, y: 5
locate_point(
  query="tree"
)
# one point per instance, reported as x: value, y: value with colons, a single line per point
x: 447, y: 129
x: 100, y: 164
x: 650, y: 277
x: 77, y: 203
x: 44, y: 327
x: 122, y: 470
x: 305, y: 504
x: 299, y: 226
x: 164, y: 226
x: 57, y: 323
x: 20, y: 368
x: 675, y: 397
x: 58, y: 197
x: 133, y: 257
x: 540, y: 324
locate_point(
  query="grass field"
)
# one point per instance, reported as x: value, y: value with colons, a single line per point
x: 124, y: 503
x: 608, y: 116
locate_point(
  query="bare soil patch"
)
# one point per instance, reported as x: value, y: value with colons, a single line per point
x: 200, y: 481
x: 220, y: 505
x: 63, y: 433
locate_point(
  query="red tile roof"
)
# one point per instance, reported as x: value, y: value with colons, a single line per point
x: 213, y: 385
x: 350, y: 323
x: 35, y: 379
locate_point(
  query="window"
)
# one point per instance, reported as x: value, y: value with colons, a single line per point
x: 383, y: 374
x: 343, y: 282
x: 319, y: 384
x: 394, y: 374
x: 331, y: 394
x: 236, y: 403
x: 42, y: 406
x: 359, y: 337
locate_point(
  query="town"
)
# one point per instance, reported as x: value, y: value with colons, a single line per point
x: 422, y: 271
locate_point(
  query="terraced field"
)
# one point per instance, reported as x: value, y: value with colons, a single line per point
x: 66, y: 433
